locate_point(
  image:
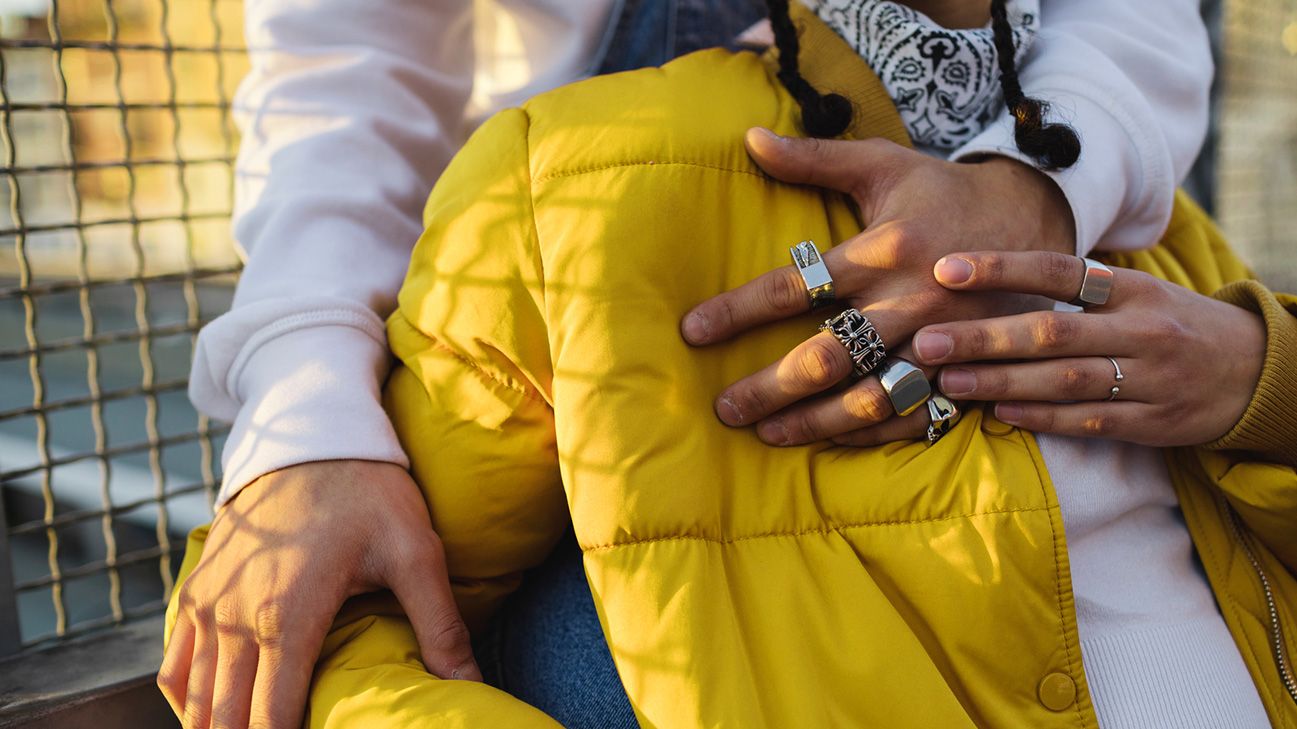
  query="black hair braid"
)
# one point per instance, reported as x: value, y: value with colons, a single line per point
x: 1052, y: 146
x: 823, y: 115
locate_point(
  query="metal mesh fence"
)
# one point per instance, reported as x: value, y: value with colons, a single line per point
x: 118, y: 162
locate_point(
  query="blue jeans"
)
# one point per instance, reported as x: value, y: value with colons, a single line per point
x: 547, y: 647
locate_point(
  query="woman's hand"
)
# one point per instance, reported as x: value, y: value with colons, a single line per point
x: 915, y: 209
x: 279, y: 561
x: 1190, y: 363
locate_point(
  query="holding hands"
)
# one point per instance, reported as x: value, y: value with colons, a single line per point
x: 1157, y: 364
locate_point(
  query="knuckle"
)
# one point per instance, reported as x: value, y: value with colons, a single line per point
x: 449, y: 633
x: 992, y: 382
x: 1076, y: 381
x: 1167, y: 330
x: 1053, y: 331
x: 750, y: 401
x: 225, y: 616
x: 1098, y: 425
x: 1059, y: 270
x: 821, y: 364
x: 784, y: 291
x: 972, y: 340
x: 988, y: 268
x: 270, y: 622
x: 867, y: 405
x: 804, y: 427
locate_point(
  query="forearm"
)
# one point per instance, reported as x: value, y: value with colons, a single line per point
x: 349, y: 113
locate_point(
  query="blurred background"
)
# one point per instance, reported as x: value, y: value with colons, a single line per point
x: 116, y: 179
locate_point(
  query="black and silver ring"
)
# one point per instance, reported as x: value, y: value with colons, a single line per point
x: 905, y: 385
x: 862, y: 341
x: 945, y: 414
x: 819, y: 284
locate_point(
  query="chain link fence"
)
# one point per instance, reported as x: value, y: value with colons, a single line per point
x: 118, y: 167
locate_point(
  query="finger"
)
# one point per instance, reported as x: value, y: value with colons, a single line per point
x: 1035, y: 335
x: 1053, y: 380
x: 863, y: 404
x: 1115, y: 420
x: 1055, y: 275
x: 197, y: 713
x: 285, y: 663
x: 422, y: 586
x: 173, y: 675
x: 848, y: 166
x: 236, y: 669
x: 860, y: 405
x: 772, y: 296
x: 781, y: 293
x: 911, y: 427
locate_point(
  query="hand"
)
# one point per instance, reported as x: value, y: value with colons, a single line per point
x: 1190, y: 363
x: 280, y: 560
x: 915, y: 209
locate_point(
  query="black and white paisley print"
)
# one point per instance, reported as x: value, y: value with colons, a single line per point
x: 945, y: 82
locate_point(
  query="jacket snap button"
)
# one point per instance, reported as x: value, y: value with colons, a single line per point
x: 1057, y: 691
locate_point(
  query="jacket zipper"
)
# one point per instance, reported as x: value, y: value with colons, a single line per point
x: 1276, y: 628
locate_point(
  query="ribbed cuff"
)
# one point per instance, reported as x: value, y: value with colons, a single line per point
x: 309, y: 395
x: 1269, y: 425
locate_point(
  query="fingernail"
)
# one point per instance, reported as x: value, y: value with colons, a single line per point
x: 933, y: 346
x: 1008, y: 413
x: 696, y: 328
x: 952, y: 270
x: 773, y: 432
x: 727, y: 412
x: 769, y: 134
x: 957, y: 382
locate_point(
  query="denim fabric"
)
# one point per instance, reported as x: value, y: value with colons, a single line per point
x: 547, y: 647
x: 652, y: 32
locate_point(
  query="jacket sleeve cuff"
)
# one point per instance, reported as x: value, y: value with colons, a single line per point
x: 1269, y: 425
x: 310, y: 394
x: 1119, y: 200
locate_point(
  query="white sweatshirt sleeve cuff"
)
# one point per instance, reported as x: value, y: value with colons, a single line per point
x: 1117, y: 178
x: 306, y: 387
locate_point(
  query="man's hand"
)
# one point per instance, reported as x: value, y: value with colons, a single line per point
x: 915, y: 209
x: 280, y: 559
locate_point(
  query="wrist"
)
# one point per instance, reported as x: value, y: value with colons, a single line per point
x: 1034, y: 212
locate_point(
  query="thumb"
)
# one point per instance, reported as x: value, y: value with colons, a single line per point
x: 422, y: 586
x: 844, y: 165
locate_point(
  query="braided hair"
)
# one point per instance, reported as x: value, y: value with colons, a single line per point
x: 1051, y: 146
x: 823, y: 115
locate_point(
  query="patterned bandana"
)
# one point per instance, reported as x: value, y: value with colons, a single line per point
x: 945, y: 83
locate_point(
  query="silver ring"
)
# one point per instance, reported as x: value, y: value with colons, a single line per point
x: 819, y: 284
x: 858, y: 335
x: 905, y: 385
x: 1116, y: 389
x: 1096, y: 285
x: 945, y: 414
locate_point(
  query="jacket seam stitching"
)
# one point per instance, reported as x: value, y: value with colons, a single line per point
x: 808, y: 532
x: 645, y: 163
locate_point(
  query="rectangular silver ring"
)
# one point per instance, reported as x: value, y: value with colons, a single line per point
x: 819, y: 284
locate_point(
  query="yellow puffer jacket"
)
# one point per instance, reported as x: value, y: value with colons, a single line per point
x: 541, y: 374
